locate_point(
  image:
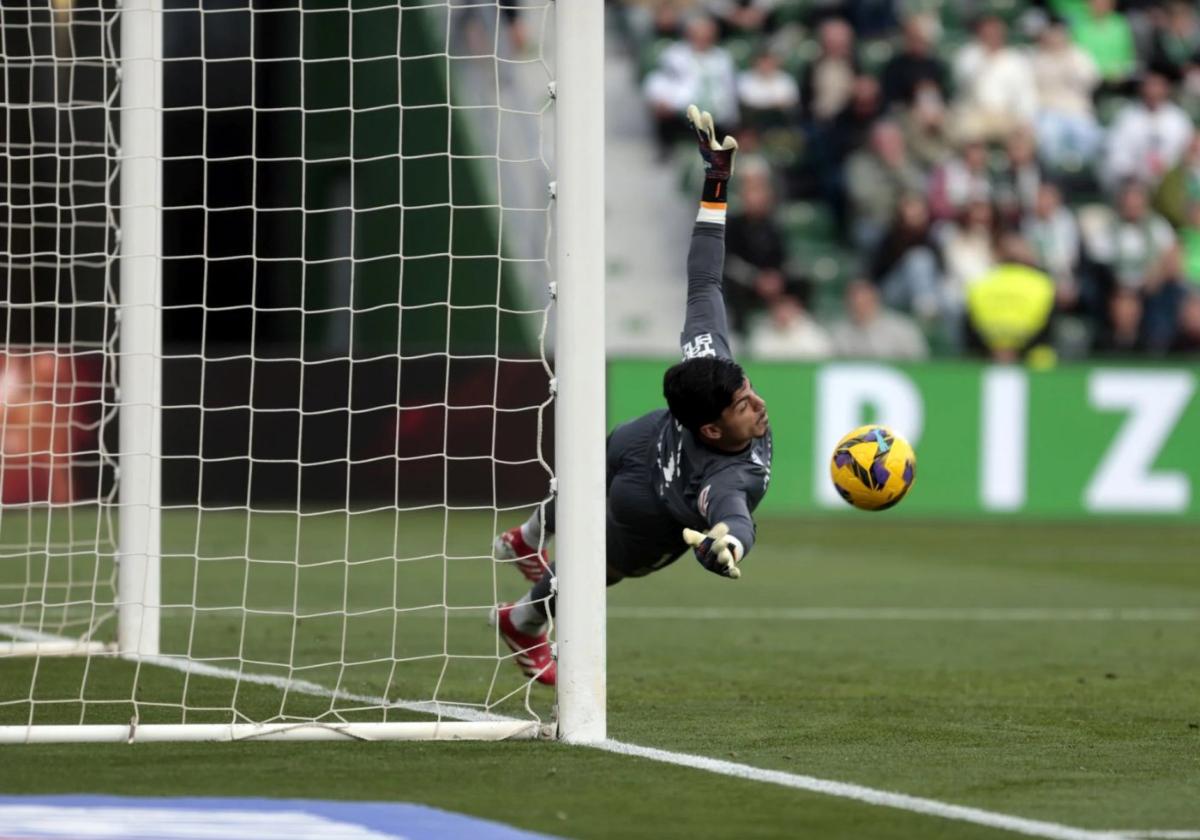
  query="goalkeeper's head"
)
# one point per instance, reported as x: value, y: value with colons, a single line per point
x: 712, y: 398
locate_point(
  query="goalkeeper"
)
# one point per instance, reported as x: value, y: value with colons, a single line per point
x: 687, y: 476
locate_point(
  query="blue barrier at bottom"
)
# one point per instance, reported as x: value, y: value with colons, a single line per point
x: 168, y: 818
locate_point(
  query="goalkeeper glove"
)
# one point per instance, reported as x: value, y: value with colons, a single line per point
x: 718, y: 157
x: 718, y: 550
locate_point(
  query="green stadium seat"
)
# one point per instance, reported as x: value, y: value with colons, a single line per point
x: 804, y: 221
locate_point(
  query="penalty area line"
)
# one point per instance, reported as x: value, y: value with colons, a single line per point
x: 861, y: 793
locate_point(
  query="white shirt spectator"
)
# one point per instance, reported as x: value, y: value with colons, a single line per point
x: 1055, y: 242
x: 789, y: 333
x: 1133, y: 248
x: 889, y: 335
x: 1143, y: 143
x: 776, y: 91
x: 1065, y: 77
x: 996, y: 81
x: 706, y: 78
x: 967, y: 254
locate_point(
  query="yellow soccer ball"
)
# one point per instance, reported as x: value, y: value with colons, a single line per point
x: 873, y: 467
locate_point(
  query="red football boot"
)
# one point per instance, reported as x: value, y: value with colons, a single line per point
x: 533, y: 655
x: 511, y: 545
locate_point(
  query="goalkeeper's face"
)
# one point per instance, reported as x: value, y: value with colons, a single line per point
x: 744, y: 420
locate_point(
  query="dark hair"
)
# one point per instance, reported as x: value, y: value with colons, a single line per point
x: 699, y: 389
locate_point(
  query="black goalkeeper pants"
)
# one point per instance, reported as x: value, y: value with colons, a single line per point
x: 640, y: 536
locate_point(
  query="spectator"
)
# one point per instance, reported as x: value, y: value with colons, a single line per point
x: 657, y: 18
x: 994, y: 82
x: 1176, y: 40
x: 768, y: 95
x: 693, y: 70
x: 926, y: 128
x: 851, y: 127
x: 789, y: 333
x: 960, y: 181
x: 1141, y: 253
x: 827, y: 83
x: 915, y: 69
x: 848, y: 133
x: 1122, y: 333
x: 1067, y: 132
x: 1187, y: 337
x: 743, y: 16
x: 1104, y: 34
x: 1053, y: 235
x: 869, y: 331
x: 754, y: 250
x: 1009, y: 308
x: 1180, y: 187
x: 1137, y: 242
x: 1148, y: 137
x: 906, y: 265
x: 876, y: 178
x: 968, y: 250
x: 1015, y: 186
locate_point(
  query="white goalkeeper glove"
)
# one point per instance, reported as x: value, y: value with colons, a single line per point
x: 718, y: 156
x: 718, y: 550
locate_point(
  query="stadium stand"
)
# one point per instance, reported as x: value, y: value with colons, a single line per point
x: 920, y: 145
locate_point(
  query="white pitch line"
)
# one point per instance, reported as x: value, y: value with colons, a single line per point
x: 828, y: 787
x: 1156, y: 834
x: 1166, y: 614
x: 860, y: 793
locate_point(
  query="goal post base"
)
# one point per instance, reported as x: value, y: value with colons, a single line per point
x: 224, y: 732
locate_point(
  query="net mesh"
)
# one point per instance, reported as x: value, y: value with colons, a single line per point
x: 355, y: 224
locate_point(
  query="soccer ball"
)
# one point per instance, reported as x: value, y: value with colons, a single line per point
x: 873, y: 467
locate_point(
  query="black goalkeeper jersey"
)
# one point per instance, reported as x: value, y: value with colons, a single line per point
x: 700, y: 486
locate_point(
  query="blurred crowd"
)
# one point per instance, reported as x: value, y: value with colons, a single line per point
x: 1003, y: 178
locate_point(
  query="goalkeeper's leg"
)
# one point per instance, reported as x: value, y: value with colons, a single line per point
x: 525, y: 545
x: 524, y: 624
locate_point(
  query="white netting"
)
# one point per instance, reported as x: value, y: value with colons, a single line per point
x: 56, y: 367
x: 355, y: 233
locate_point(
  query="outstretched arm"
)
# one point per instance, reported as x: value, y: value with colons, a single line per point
x: 723, y: 546
x: 705, y: 326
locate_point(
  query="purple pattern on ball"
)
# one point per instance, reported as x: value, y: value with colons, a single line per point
x: 842, y: 458
x: 908, y: 473
x: 880, y: 473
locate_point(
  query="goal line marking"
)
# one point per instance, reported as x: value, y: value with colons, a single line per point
x: 1167, y: 614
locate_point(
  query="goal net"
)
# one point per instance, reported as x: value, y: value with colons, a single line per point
x: 275, y: 366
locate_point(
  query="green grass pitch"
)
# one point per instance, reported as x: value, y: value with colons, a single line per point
x: 929, y: 684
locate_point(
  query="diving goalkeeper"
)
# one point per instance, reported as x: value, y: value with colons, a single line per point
x: 687, y: 476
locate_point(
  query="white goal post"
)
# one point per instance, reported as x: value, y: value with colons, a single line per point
x: 130, y: 615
